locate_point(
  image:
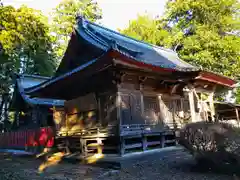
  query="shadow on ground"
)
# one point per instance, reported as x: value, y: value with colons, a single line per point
x: 171, y: 165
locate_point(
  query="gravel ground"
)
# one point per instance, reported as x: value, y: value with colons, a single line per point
x: 172, y: 165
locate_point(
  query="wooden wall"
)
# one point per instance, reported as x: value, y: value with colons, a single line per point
x: 81, y: 112
x: 107, y: 108
x: 151, y: 103
x: 33, y: 117
x: 95, y: 110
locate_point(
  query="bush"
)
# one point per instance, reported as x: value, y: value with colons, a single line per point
x: 217, y: 143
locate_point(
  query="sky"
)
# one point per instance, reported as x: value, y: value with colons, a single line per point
x: 116, y: 13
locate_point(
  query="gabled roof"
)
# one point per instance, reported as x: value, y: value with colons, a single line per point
x: 105, y: 38
x: 81, y: 73
x: 144, y: 55
x: 98, y: 39
x: 102, y: 43
x: 24, y: 82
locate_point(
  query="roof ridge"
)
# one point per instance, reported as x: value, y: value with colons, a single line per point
x: 113, y: 31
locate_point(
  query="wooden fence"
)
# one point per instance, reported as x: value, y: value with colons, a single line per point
x: 30, y: 140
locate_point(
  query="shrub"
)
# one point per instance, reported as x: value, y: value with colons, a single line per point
x: 218, y: 143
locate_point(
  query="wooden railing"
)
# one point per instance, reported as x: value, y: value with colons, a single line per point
x: 103, y: 131
x: 145, y: 129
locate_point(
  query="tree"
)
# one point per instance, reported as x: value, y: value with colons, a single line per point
x: 25, y: 46
x: 204, y: 33
x: 147, y: 29
x: 26, y: 42
x: 64, y: 19
x: 209, y: 34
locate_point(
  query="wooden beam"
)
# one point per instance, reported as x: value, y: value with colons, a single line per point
x: 230, y: 118
x: 168, y: 76
x: 225, y: 110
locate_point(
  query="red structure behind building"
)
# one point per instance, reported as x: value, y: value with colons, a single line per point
x: 28, y: 139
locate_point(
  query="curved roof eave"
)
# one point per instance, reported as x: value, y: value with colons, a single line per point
x: 216, y: 78
x: 37, y: 101
x: 55, y: 79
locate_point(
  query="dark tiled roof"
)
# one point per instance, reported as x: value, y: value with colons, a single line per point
x: 140, y: 51
x: 28, y: 81
x: 107, y: 40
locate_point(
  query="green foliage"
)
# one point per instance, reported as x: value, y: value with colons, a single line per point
x: 237, y: 94
x: 206, y: 40
x: 204, y: 33
x: 146, y: 29
x: 199, y: 31
x: 26, y: 44
x: 64, y: 19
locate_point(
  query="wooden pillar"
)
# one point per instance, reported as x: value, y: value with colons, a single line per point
x: 142, y: 101
x: 237, y: 115
x: 173, y: 114
x: 118, y: 106
x: 119, y: 119
x: 211, y: 103
x: 192, y: 105
x: 161, y: 108
x: 99, y: 111
x: 144, y: 145
x: 34, y: 115
x: 162, y: 140
x: 17, y: 118
x: 181, y: 113
x: 122, y: 146
x: 160, y: 101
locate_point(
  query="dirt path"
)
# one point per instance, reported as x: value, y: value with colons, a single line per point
x: 176, y: 165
